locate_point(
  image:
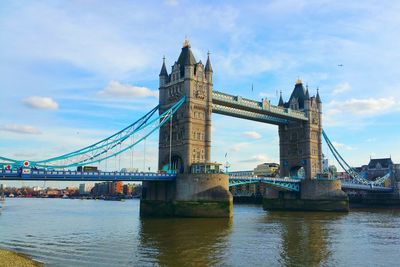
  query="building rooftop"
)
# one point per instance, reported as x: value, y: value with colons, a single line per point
x: 380, y: 163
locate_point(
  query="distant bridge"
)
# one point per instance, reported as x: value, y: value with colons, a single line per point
x: 282, y: 183
x: 291, y: 184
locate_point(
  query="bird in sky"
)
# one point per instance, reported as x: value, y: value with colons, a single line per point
x: 340, y: 65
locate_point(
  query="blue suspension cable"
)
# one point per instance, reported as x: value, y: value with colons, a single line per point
x: 350, y: 170
x: 160, y: 120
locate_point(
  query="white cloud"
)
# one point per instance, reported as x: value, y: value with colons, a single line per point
x: 369, y: 106
x: 17, y: 128
x: 342, y: 146
x: 238, y: 147
x: 39, y: 102
x: 252, y: 134
x: 240, y: 63
x: 257, y: 158
x: 172, y: 2
x: 117, y: 89
x: 341, y: 88
x: 24, y: 155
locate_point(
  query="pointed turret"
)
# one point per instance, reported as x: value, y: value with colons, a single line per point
x: 281, y: 104
x: 163, y: 71
x: 307, y: 96
x: 208, y: 64
x: 307, y: 99
x: 208, y: 69
x: 318, y: 98
x: 163, y: 74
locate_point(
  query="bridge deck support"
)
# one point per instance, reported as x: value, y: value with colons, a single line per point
x: 192, y: 195
x: 315, y: 195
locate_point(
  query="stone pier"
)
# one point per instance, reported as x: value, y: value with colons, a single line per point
x: 192, y: 195
x: 314, y: 195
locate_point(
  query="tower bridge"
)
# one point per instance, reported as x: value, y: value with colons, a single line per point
x: 190, y: 184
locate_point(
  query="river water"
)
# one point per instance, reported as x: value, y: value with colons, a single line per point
x: 63, y: 232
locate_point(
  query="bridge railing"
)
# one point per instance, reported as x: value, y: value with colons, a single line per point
x: 352, y: 185
x: 9, y: 172
x: 78, y: 175
x: 255, y: 178
x: 112, y: 173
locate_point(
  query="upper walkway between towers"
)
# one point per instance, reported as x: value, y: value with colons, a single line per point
x: 263, y: 111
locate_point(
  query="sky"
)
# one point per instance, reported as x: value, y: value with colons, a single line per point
x: 74, y: 72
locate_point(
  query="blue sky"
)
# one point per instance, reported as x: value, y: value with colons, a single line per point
x: 73, y: 72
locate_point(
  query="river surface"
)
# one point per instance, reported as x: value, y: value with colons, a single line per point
x: 63, y: 232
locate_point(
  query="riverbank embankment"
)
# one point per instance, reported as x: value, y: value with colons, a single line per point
x: 13, y: 259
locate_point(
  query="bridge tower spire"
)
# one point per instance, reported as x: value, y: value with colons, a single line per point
x: 281, y: 103
x: 163, y: 74
x: 208, y: 69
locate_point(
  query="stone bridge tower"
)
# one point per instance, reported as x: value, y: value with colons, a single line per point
x: 191, y: 125
x: 300, y: 142
x: 185, y: 147
x: 301, y: 155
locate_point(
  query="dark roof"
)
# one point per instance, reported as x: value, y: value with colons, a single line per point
x: 385, y: 163
x: 208, y: 64
x: 358, y: 169
x: 186, y: 58
x: 163, y: 71
x: 299, y: 93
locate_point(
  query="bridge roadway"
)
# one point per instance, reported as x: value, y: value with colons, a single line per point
x: 355, y: 186
x: 59, y: 175
x: 67, y: 175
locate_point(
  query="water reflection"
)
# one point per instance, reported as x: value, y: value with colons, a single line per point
x: 305, y: 237
x: 110, y: 233
x: 183, y: 242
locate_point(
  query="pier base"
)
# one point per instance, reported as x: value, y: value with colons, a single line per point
x: 192, y: 195
x: 315, y: 195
